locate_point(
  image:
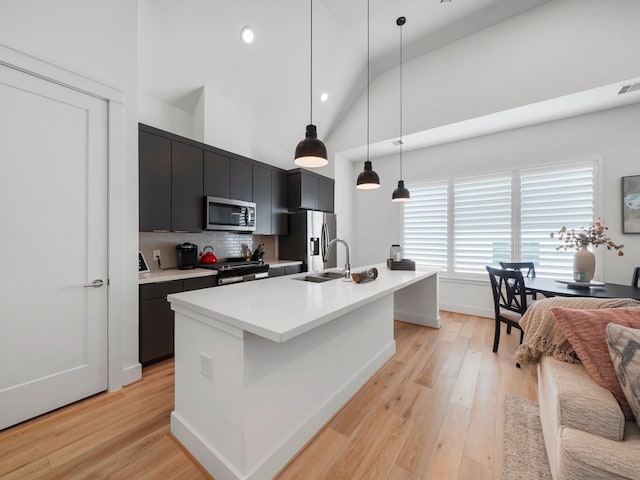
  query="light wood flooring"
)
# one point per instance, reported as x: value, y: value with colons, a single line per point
x: 434, y: 411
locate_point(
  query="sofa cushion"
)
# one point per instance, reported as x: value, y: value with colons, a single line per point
x: 585, y: 456
x: 585, y: 329
x: 543, y: 336
x: 575, y: 401
x: 624, y: 349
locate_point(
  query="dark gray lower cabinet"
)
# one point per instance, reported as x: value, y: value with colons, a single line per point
x: 156, y: 319
x: 284, y: 270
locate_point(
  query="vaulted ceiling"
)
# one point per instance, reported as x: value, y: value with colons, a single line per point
x: 185, y: 45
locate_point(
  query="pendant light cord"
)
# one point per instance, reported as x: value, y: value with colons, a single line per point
x: 368, y: 61
x: 311, y: 69
x: 400, y: 102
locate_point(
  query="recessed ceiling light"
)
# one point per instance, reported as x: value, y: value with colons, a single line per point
x: 324, y: 97
x: 247, y: 35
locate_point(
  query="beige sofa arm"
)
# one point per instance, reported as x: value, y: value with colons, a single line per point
x: 579, y: 402
x: 583, y: 455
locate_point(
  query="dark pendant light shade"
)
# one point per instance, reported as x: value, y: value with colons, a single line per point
x: 400, y: 194
x: 368, y: 179
x: 311, y: 152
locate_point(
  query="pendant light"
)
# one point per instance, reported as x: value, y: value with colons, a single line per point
x: 400, y: 194
x: 368, y: 179
x: 311, y: 152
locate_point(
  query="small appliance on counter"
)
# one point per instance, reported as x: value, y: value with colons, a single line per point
x: 208, y: 258
x: 396, y: 260
x: 187, y: 254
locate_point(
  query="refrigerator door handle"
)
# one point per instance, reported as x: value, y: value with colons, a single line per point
x: 325, y: 243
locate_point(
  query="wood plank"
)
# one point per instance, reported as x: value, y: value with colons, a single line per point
x: 312, y: 461
x: 435, y: 410
x: 447, y: 455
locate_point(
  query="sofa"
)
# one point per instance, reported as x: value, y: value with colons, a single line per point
x: 585, y: 432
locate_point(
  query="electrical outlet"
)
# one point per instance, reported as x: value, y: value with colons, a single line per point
x: 206, y: 365
x: 156, y: 254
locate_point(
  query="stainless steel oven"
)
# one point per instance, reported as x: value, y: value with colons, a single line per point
x: 230, y: 215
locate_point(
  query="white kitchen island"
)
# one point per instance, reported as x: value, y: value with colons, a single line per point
x: 261, y: 366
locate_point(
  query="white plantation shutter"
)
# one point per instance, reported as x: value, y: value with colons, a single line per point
x: 463, y: 224
x: 482, y: 222
x: 552, y: 198
x: 425, y: 225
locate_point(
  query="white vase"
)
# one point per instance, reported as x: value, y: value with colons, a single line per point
x: 584, y: 265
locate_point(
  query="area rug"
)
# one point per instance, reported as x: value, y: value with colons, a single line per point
x: 525, y: 457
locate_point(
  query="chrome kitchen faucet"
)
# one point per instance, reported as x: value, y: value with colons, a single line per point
x: 347, y: 267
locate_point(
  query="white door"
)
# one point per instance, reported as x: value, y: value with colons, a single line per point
x: 53, y: 243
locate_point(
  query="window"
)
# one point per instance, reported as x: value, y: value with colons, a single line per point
x: 551, y: 198
x: 482, y: 222
x: 463, y: 224
x: 425, y: 225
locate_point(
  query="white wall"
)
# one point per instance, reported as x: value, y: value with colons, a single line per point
x: 611, y: 135
x: 561, y: 47
x: 98, y: 40
x: 161, y: 115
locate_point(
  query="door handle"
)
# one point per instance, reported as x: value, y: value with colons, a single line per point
x: 95, y: 284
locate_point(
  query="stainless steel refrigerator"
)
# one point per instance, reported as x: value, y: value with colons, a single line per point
x: 308, y: 239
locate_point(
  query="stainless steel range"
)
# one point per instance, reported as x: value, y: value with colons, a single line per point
x: 234, y: 270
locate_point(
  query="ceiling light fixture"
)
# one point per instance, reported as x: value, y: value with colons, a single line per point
x: 247, y: 35
x: 324, y: 97
x: 311, y: 152
x: 368, y: 178
x: 400, y: 194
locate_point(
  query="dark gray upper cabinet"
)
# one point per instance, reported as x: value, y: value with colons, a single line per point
x: 278, y: 202
x: 155, y: 182
x: 186, y: 188
x: 309, y: 191
x: 262, y: 198
x: 176, y: 173
x: 240, y: 180
x: 216, y: 175
x: 325, y: 194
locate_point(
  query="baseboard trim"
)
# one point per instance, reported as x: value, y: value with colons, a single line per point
x: 467, y: 310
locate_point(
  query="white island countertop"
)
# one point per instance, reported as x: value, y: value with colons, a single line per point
x: 282, y: 308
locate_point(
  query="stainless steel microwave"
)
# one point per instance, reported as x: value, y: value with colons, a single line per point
x: 230, y: 215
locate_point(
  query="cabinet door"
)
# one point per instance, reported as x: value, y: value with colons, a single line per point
x: 278, y: 202
x: 155, y: 182
x: 200, y: 282
x: 291, y: 269
x: 262, y: 199
x: 156, y: 329
x: 308, y: 191
x: 325, y: 194
x: 276, y: 271
x: 302, y: 190
x: 216, y: 175
x: 240, y: 180
x: 186, y: 188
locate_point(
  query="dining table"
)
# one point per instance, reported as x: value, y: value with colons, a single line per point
x: 558, y: 288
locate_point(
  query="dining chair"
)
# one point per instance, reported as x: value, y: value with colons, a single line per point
x: 636, y: 277
x: 509, y: 300
x: 522, y: 266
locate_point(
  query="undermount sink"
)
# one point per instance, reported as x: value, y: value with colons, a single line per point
x: 321, y: 277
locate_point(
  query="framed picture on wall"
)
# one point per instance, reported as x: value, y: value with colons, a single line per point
x: 631, y: 204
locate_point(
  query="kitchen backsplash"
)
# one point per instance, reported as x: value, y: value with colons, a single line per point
x: 225, y: 244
